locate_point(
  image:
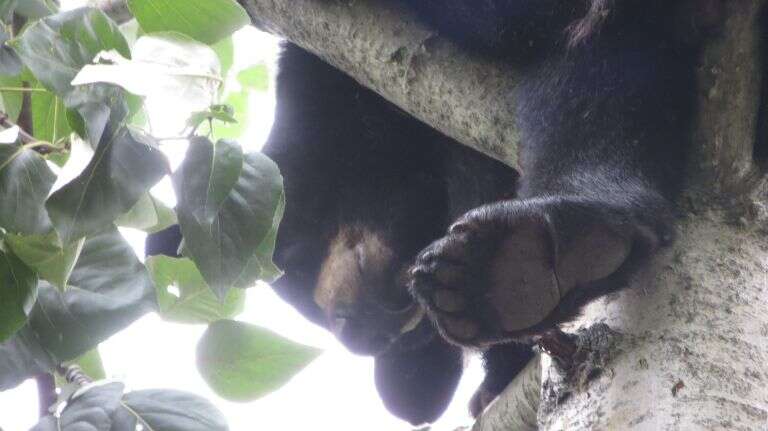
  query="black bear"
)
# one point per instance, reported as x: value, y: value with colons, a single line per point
x: 388, y: 221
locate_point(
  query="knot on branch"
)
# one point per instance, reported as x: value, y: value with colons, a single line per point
x: 593, y: 349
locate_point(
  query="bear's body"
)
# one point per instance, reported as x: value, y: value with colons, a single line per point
x: 603, y: 107
x: 367, y: 187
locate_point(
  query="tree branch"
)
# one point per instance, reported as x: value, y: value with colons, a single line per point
x: 516, y: 408
x: 25, y: 137
x: 386, y: 49
x: 46, y: 393
x: 730, y: 78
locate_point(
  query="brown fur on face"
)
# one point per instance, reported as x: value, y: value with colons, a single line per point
x: 357, y: 257
x: 362, y: 291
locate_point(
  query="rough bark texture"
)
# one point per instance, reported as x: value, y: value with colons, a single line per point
x: 384, y: 48
x: 730, y: 79
x: 517, y: 410
x: 692, y: 350
x: 685, y: 348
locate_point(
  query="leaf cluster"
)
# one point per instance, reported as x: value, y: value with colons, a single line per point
x: 74, y: 80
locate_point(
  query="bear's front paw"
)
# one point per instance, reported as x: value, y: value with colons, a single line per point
x: 503, y: 269
x: 491, y: 275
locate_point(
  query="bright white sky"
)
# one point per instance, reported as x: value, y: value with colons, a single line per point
x: 335, y: 392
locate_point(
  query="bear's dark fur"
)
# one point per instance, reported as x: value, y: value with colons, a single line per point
x: 367, y: 187
x: 605, y: 96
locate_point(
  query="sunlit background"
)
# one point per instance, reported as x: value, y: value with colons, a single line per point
x: 335, y: 392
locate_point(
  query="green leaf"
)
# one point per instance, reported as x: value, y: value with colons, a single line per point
x: 93, y: 408
x: 234, y: 130
x: 184, y: 297
x: 10, y: 63
x: 59, y: 158
x: 242, y: 362
x: 136, y: 112
x: 96, y: 110
x: 25, y: 180
x: 49, y: 117
x: 225, y: 50
x: 18, y: 291
x: 104, y: 407
x: 57, y: 47
x: 34, y: 9
x: 6, y: 9
x: 125, y: 166
x: 226, y: 165
x: 22, y: 357
x: 260, y: 266
x: 170, y: 410
x: 46, y: 255
x: 10, y: 101
x: 149, y: 214
x: 131, y: 31
x: 166, y: 67
x: 255, y: 77
x: 205, y: 20
x: 224, y: 113
x: 222, y: 247
x: 109, y: 289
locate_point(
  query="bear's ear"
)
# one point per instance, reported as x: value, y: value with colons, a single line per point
x: 417, y: 384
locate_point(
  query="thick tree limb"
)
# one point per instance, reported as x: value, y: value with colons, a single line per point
x: 730, y: 79
x: 692, y: 349
x: 386, y: 49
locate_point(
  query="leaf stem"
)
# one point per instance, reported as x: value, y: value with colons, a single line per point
x: 6, y: 122
x: 73, y: 374
x: 41, y: 147
x: 29, y: 141
x: 24, y: 89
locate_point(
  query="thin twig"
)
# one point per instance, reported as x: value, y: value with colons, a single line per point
x: 29, y: 141
x: 6, y: 122
x: 46, y: 392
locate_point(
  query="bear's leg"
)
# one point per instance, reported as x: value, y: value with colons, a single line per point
x: 514, y: 268
x: 502, y: 363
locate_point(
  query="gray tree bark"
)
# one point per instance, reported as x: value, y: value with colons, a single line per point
x: 687, y: 346
x: 692, y: 339
x: 385, y: 48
